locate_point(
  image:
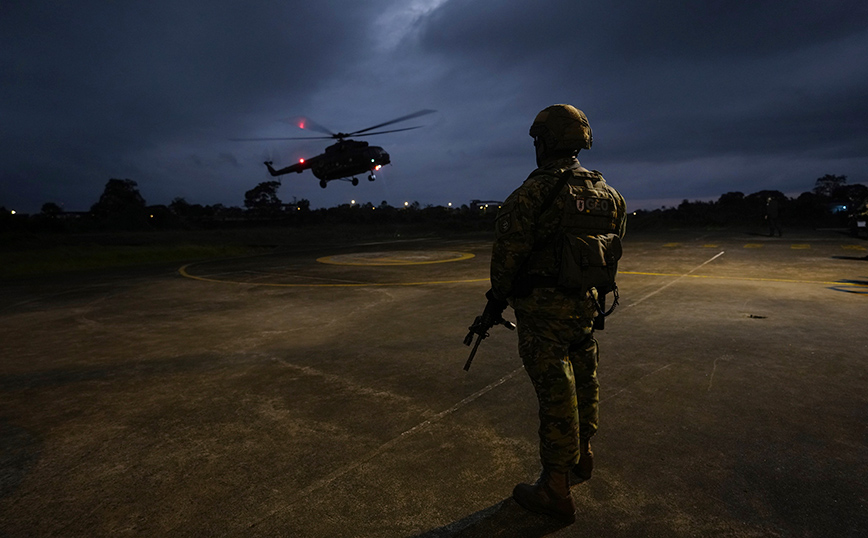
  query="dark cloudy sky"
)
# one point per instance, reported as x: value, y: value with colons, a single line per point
x: 687, y: 99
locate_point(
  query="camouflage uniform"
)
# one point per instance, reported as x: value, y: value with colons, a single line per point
x: 555, y: 325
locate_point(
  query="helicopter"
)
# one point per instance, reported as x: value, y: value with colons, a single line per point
x: 344, y: 159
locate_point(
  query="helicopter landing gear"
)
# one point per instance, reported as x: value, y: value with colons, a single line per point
x: 371, y: 177
x: 322, y: 183
x: 355, y: 181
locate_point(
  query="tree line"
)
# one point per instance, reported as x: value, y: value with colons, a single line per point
x: 121, y: 207
x: 831, y: 203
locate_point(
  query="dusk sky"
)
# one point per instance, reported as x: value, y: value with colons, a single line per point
x: 687, y: 99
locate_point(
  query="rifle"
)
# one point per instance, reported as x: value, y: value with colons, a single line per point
x: 481, y: 330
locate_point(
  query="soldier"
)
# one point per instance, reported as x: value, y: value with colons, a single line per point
x: 555, y: 252
x: 773, y: 216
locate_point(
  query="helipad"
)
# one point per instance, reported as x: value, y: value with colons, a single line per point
x: 732, y: 394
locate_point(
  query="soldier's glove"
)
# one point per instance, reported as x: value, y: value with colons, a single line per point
x: 491, y: 316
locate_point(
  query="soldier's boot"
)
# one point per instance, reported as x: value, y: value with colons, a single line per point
x: 582, y: 470
x: 549, y: 495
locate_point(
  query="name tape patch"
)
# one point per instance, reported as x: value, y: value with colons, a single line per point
x: 600, y: 206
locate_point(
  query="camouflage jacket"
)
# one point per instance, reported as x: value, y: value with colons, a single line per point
x: 521, y: 232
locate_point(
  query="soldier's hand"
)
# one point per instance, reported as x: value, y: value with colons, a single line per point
x: 493, y: 313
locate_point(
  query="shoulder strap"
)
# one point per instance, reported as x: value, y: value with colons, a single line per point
x: 563, y: 175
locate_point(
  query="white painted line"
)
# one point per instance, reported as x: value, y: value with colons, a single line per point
x: 338, y: 473
x: 655, y: 292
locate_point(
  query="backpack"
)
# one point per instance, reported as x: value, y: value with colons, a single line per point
x: 587, y: 243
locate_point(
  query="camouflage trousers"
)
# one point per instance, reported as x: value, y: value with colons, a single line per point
x: 561, y: 356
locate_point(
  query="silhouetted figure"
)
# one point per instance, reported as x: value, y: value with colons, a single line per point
x: 773, y: 216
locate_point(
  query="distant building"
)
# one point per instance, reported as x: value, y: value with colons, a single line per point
x: 485, y: 205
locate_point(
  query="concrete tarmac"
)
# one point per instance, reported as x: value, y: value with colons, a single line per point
x: 279, y: 395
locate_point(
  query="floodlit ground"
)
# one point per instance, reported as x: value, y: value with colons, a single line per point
x: 277, y: 395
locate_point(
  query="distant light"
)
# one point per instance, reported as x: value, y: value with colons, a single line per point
x: 13, y: 211
x: 634, y: 213
x: 301, y: 124
x: 352, y: 202
x: 406, y: 204
x: 450, y: 204
x: 377, y: 167
x: 372, y: 160
x: 152, y: 216
x: 301, y: 161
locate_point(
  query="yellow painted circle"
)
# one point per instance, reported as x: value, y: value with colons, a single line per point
x: 396, y: 258
x: 381, y: 259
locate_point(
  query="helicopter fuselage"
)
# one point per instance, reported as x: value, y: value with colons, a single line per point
x: 345, y: 159
x: 348, y: 158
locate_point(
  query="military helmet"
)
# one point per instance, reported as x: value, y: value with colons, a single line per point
x: 563, y: 127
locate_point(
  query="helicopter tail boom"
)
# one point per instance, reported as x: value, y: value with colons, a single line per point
x: 297, y: 168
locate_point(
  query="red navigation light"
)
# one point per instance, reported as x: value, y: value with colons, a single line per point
x: 377, y: 167
x: 301, y: 161
x: 301, y: 124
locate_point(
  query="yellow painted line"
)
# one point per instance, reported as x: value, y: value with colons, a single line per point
x: 386, y: 261
x: 853, y: 247
x: 786, y: 281
x: 800, y: 247
x: 183, y: 272
x: 709, y: 246
x: 672, y: 245
x: 753, y: 245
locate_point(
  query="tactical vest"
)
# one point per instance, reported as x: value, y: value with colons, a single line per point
x: 584, y: 250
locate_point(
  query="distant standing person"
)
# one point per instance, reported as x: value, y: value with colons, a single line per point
x: 773, y: 216
x: 557, y: 242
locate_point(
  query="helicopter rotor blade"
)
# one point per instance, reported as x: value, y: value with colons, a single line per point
x: 396, y: 120
x: 282, y: 138
x: 392, y: 131
x: 308, y: 124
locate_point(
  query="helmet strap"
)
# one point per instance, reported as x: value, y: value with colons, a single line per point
x: 540, y: 146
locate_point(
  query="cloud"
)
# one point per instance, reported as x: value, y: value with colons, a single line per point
x: 691, y: 99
